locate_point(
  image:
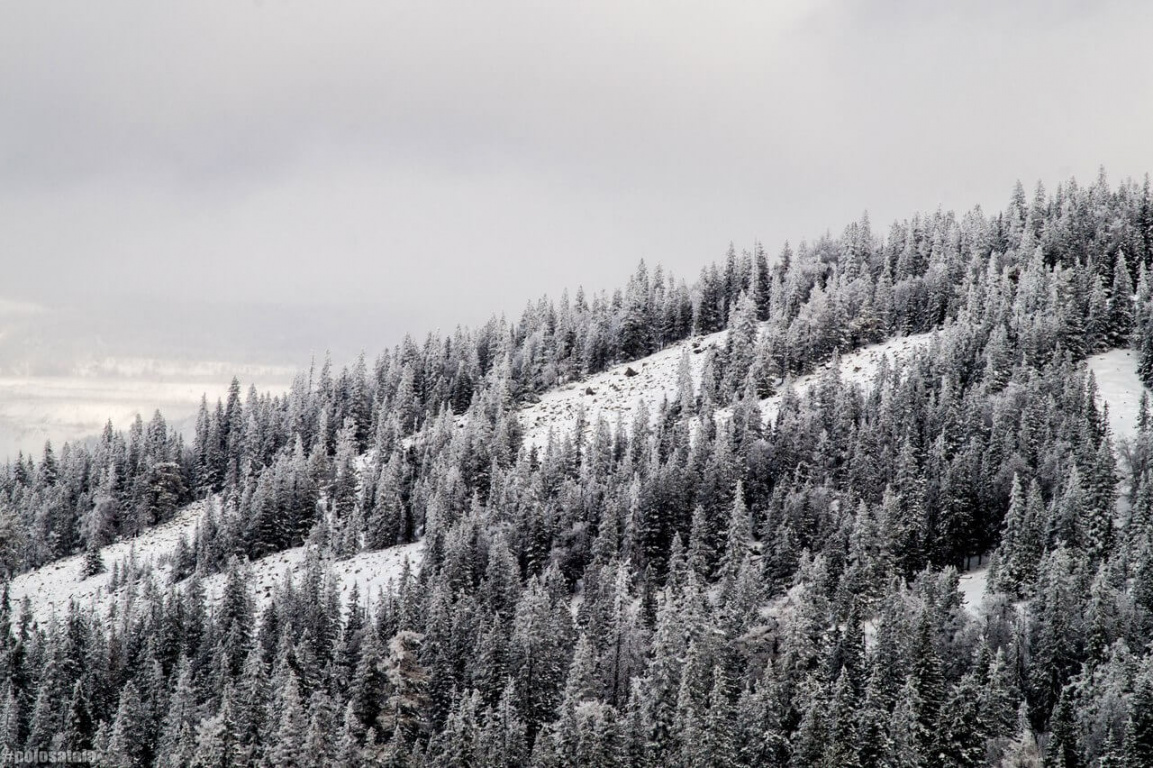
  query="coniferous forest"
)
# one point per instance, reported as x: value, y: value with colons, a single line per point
x: 696, y: 585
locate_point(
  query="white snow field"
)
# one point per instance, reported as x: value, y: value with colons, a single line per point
x: 859, y: 367
x: 1119, y: 385
x: 371, y: 572
x: 51, y: 587
x: 972, y: 588
x: 615, y: 395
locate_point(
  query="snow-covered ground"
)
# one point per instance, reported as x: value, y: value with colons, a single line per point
x: 972, y: 588
x: 614, y: 395
x: 52, y: 586
x: 1119, y: 385
x: 859, y: 367
x: 370, y: 571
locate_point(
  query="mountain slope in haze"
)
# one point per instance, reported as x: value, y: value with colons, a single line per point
x: 749, y: 550
x: 51, y: 587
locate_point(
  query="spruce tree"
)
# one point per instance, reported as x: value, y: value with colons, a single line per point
x: 960, y: 738
x: 1144, y: 346
x: 1064, y: 749
x: 1121, y: 303
x: 1011, y: 572
x: 93, y: 562
x: 907, y: 735
x: 843, y: 747
x: 406, y: 708
x: 927, y: 677
x: 177, y: 744
x: 1138, y: 749
x: 286, y: 745
x: 128, y: 744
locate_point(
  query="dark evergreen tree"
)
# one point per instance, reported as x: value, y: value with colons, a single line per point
x: 1138, y: 749
x: 93, y: 562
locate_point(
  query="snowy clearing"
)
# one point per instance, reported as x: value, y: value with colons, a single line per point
x: 859, y: 367
x: 613, y: 392
x: 972, y: 588
x: 370, y: 571
x: 1120, y: 387
x: 615, y: 395
x: 51, y: 587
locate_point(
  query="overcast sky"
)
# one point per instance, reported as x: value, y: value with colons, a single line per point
x: 337, y: 173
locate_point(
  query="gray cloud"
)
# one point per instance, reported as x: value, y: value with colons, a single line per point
x: 356, y: 170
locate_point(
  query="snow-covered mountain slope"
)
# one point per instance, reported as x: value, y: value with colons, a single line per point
x: 371, y: 572
x: 614, y: 394
x: 51, y: 588
x: 611, y: 394
x: 53, y: 585
x: 859, y: 367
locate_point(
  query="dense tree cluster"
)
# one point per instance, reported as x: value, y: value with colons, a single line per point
x: 694, y: 587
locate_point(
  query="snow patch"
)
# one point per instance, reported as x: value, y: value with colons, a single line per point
x: 52, y: 586
x: 972, y: 587
x: 614, y: 394
x: 371, y: 572
x: 1119, y: 385
x: 859, y: 367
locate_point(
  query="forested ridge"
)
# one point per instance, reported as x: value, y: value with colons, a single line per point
x: 692, y: 588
